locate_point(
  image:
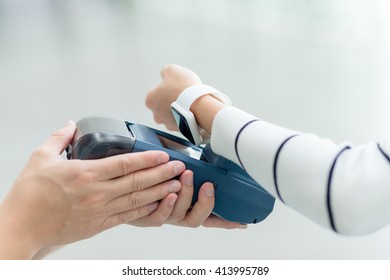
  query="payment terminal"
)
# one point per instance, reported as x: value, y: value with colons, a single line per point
x: 238, y: 198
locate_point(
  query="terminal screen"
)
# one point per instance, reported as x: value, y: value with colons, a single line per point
x: 178, y: 147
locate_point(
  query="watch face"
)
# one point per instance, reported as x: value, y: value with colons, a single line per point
x: 183, y: 125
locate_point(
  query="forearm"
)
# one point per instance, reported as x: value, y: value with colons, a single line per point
x: 14, y: 243
x: 205, y: 109
x: 339, y: 187
x: 46, y: 251
x: 342, y: 188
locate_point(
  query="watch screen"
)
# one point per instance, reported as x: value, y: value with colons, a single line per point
x: 178, y: 147
x: 183, y: 125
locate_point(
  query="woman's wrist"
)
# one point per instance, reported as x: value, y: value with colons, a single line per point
x: 15, y: 241
x: 205, y: 109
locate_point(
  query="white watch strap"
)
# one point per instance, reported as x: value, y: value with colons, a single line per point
x: 190, y: 94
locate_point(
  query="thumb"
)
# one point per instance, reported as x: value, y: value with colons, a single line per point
x: 60, y: 139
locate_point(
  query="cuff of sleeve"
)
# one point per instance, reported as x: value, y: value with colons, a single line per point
x: 227, y: 124
x: 256, y: 146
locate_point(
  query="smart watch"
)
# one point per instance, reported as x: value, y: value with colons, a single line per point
x: 185, y: 119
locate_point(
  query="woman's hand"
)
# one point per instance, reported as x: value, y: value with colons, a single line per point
x: 175, y: 79
x: 185, y: 215
x: 56, y: 201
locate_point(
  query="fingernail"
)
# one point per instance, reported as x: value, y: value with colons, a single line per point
x: 178, y: 168
x: 188, y: 180
x: 174, y: 186
x: 153, y: 206
x: 209, y: 191
x: 172, y: 201
x: 242, y: 226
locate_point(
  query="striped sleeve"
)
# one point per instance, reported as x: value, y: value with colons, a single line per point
x: 346, y: 189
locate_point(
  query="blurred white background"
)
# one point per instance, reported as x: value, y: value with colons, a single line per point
x: 318, y: 66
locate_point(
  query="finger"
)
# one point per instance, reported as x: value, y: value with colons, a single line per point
x: 162, y: 71
x: 60, y: 139
x: 171, y: 125
x: 138, y: 199
x: 152, y: 98
x: 120, y: 165
x: 201, y: 209
x: 125, y: 217
x: 160, y: 215
x: 174, y: 71
x: 143, y: 179
x: 184, y: 199
x: 166, y: 118
x: 216, y: 222
x: 166, y: 69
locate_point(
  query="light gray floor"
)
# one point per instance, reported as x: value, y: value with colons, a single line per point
x: 316, y: 66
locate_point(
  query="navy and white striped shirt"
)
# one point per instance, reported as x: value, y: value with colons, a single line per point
x: 341, y: 187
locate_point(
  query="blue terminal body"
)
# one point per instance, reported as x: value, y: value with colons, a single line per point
x: 238, y: 198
